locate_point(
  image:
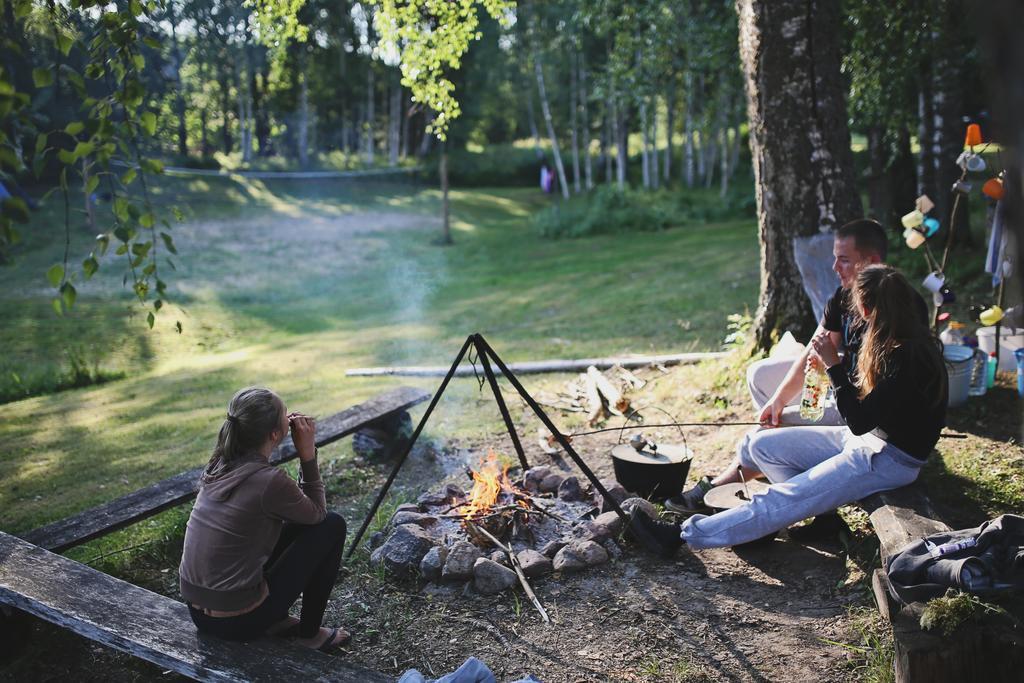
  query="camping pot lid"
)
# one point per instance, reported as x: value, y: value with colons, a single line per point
x: 667, y: 454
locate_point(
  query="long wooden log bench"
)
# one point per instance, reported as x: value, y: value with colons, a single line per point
x: 35, y: 580
x: 148, y: 625
x: 148, y: 501
x: 978, y: 651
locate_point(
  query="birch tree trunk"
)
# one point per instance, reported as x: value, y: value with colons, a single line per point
x: 588, y: 171
x: 606, y: 142
x: 395, y: 121
x: 531, y: 119
x: 724, y: 168
x: 645, y: 145
x: 712, y: 155
x: 370, y: 115
x: 303, y: 136
x: 225, y: 109
x: 546, y: 109
x: 734, y: 153
x: 688, y: 151
x: 446, y: 231
x: 670, y: 124
x: 621, y: 145
x: 803, y: 166
x: 653, y: 157
x: 574, y: 135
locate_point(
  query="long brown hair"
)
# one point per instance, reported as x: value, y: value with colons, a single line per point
x: 891, y: 306
x: 253, y: 413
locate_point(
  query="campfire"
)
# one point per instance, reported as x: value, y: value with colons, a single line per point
x: 496, y: 504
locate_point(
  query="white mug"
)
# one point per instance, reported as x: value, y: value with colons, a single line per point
x: 934, y: 281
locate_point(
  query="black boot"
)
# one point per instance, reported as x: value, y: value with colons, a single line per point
x: 827, y: 528
x: 659, y: 537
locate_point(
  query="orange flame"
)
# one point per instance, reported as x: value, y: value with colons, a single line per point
x: 488, y: 483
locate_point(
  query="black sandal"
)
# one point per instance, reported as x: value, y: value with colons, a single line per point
x: 330, y: 643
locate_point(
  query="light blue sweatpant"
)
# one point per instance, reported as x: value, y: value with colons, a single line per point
x: 812, y: 470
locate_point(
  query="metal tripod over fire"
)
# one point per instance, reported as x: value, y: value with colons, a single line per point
x: 486, y: 355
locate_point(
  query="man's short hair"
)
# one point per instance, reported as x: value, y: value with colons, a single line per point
x: 868, y: 237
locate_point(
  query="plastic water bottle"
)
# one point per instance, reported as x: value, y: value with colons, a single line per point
x: 979, y: 374
x: 1018, y: 354
x: 812, y: 403
x: 993, y: 364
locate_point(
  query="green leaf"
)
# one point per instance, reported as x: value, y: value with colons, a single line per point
x: 151, y: 42
x: 139, y: 61
x: 121, y: 211
x: 57, y: 308
x: 121, y: 250
x: 64, y: 42
x: 74, y: 128
x: 90, y: 266
x: 68, y: 294
x: 42, y: 77
x: 169, y: 243
x: 92, y: 184
x: 141, y: 248
x: 158, y: 304
x: 16, y: 208
x: 83, y: 149
x: 128, y: 176
x: 148, y: 121
x: 66, y: 157
x: 147, y: 219
x: 41, y: 140
x: 151, y: 319
x: 177, y: 326
x: 55, y: 274
x: 149, y: 269
x: 178, y: 215
x: 151, y: 166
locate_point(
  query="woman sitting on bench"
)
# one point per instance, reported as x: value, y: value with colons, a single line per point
x: 256, y: 540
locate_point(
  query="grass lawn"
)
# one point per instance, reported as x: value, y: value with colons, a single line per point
x: 289, y: 283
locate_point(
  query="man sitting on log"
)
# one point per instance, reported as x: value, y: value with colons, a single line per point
x: 776, y: 384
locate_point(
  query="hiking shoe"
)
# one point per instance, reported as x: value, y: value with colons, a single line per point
x: 828, y: 528
x: 659, y: 537
x: 691, y: 502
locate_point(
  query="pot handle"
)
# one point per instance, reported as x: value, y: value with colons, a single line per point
x: 670, y: 415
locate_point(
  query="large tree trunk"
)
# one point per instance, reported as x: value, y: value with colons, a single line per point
x: 653, y: 156
x: 225, y: 109
x: 621, y: 142
x: 404, y: 111
x: 803, y: 166
x: 608, y: 135
x: 531, y: 119
x: 546, y: 109
x: 1002, y: 23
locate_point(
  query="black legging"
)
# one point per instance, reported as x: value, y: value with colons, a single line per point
x: 305, y: 561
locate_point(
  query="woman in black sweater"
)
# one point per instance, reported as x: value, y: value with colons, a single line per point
x: 894, y: 413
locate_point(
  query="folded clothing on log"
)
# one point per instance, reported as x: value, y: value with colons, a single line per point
x: 982, y: 560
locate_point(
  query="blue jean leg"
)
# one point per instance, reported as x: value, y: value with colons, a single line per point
x: 782, y: 453
x: 859, y: 470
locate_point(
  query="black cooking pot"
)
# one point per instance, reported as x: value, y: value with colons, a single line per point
x: 652, y: 474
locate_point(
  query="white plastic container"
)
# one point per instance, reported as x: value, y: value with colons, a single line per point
x: 1010, y: 339
x: 958, y: 365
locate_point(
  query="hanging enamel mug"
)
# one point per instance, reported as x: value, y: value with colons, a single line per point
x: 938, y: 299
x: 962, y: 187
x: 990, y: 316
x: 934, y: 282
x: 975, y: 163
x: 912, y: 219
x: 931, y: 226
x: 948, y: 296
x: 993, y: 188
x: 914, y: 237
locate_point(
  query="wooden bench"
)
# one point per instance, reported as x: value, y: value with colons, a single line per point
x: 148, y: 625
x: 148, y: 501
x: 976, y: 651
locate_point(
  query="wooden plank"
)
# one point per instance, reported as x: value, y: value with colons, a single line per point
x: 148, y: 625
x: 148, y: 501
x: 901, y: 516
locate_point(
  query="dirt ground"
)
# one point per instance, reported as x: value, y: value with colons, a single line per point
x: 776, y: 612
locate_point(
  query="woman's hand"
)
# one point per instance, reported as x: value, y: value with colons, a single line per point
x: 303, y: 430
x: 824, y: 349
